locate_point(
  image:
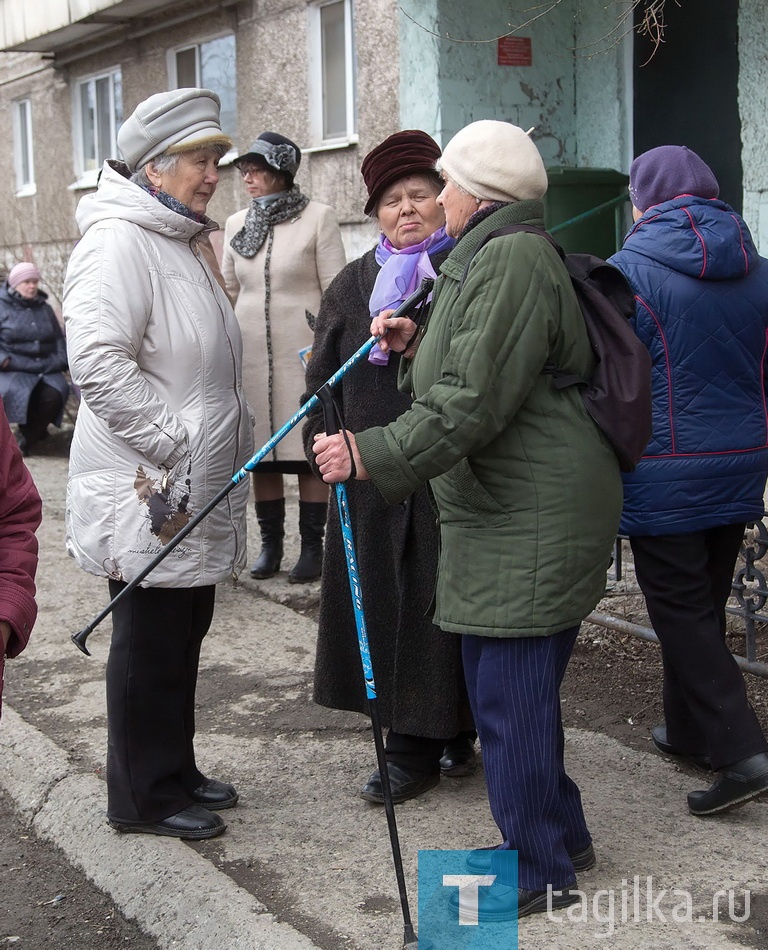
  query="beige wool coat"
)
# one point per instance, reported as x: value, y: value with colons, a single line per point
x: 273, y: 293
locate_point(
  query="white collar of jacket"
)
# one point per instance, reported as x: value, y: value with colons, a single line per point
x: 118, y: 197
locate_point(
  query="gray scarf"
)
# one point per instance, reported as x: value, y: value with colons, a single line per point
x: 259, y: 220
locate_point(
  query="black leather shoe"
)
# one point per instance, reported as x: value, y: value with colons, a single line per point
x: 736, y: 785
x: 215, y: 795
x: 479, y: 861
x: 191, y: 824
x: 659, y: 739
x: 499, y: 902
x: 404, y: 785
x: 459, y: 758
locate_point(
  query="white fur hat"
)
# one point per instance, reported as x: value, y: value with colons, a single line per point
x: 495, y: 161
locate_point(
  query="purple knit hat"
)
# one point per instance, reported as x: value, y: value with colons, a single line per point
x: 665, y: 172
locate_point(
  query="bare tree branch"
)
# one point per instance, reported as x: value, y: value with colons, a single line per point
x: 548, y: 7
x: 651, y: 24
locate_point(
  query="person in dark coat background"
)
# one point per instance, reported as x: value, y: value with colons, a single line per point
x: 20, y: 514
x: 702, y: 311
x: 418, y: 669
x: 33, y: 357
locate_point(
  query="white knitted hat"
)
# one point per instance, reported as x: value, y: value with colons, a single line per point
x: 495, y: 161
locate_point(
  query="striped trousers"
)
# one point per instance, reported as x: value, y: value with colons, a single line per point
x: 514, y: 691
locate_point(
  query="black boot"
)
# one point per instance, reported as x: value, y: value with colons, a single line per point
x: 312, y: 515
x: 271, y: 517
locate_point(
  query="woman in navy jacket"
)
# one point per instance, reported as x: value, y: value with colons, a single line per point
x: 33, y: 357
x: 701, y: 295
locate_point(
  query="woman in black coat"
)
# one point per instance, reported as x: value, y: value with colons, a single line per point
x: 33, y: 357
x: 417, y: 667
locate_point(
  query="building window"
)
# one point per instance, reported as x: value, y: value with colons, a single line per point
x: 332, y: 78
x: 210, y: 65
x: 22, y: 143
x: 98, y: 111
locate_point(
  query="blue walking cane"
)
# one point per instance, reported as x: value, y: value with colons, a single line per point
x: 333, y: 424
x: 79, y: 638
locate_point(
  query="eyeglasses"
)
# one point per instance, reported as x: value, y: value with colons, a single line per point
x: 247, y: 169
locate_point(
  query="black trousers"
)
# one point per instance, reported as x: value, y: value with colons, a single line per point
x: 151, y: 678
x: 686, y: 580
x: 45, y: 406
x: 418, y: 753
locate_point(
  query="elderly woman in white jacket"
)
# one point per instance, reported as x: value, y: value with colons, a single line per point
x: 156, y: 351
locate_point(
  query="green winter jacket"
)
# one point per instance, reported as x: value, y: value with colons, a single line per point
x: 528, y: 489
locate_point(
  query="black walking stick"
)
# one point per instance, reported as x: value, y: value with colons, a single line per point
x: 332, y: 425
x: 80, y: 638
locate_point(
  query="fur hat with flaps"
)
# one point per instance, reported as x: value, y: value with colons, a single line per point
x: 495, y: 161
x: 179, y: 120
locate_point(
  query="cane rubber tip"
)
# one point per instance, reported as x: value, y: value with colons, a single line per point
x: 411, y: 941
x: 80, y: 643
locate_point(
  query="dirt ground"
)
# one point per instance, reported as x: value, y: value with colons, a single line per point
x: 45, y: 904
x: 612, y: 686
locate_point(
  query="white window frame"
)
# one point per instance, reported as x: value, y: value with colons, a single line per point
x: 173, y: 81
x: 22, y: 121
x: 87, y: 178
x: 315, y: 60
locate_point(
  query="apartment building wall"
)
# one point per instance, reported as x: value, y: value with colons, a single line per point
x: 753, y: 108
x: 274, y: 78
x: 38, y: 221
x: 413, y: 69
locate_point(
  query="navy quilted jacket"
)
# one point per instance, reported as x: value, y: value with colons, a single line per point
x: 32, y: 343
x: 702, y: 310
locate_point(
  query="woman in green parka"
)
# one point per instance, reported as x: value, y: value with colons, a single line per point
x: 528, y: 491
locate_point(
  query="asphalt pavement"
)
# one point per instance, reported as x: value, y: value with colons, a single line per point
x: 305, y: 864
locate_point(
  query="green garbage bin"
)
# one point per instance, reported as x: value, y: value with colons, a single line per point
x: 574, y: 193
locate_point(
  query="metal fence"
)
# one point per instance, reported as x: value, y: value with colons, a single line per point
x: 749, y: 590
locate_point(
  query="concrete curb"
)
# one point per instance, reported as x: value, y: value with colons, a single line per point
x: 175, y: 894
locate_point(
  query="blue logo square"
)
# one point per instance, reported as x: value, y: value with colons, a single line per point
x: 465, y: 909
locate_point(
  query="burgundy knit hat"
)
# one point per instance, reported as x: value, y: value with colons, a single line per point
x: 404, y: 153
x: 665, y: 172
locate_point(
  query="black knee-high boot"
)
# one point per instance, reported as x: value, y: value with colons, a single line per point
x: 271, y: 518
x: 312, y: 516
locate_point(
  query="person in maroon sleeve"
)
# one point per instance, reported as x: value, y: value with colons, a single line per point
x: 20, y: 516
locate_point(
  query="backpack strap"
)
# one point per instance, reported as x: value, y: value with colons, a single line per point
x: 510, y: 229
x: 560, y: 379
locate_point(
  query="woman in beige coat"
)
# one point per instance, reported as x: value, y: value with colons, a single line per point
x: 280, y: 254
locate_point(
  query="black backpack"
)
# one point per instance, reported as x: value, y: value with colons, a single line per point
x: 618, y: 396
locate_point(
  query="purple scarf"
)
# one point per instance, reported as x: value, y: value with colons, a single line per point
x: 402, y: 270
